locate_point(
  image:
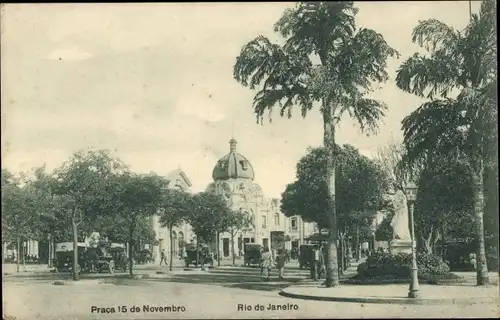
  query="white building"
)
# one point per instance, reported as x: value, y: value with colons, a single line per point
x: 182, y: 234
x: 233, y: 177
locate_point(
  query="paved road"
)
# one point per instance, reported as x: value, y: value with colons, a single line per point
x: 215, y: 294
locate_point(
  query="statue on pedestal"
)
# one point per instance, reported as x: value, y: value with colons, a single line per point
x: 399, y: 223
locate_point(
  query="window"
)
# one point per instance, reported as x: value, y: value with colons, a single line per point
x: 277, y: 219
x: 244, y: 165
x: 264, y: 222
x: 294, y: 223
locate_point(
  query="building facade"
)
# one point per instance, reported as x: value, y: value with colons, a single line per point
x: 181, y: 234
x: 233, y: 178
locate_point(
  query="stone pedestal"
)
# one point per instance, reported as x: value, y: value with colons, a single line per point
x: 400, y: 246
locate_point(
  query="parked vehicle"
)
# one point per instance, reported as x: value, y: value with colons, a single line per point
x: 253, y: 253
x: 201, y: 256
x: 120, y: 257
x: 143, y: 256
x: 63, y: 261
x: 306, y: 254
x: 99, y: 259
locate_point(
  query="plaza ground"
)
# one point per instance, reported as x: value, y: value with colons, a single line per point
x: 216, y: 293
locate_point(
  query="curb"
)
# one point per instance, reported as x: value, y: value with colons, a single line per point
x: 79, y: 282
x: 374, y: 300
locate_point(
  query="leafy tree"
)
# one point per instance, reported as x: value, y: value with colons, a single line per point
x: 361, y: 186
x: 81, y: 186
x: 444, y: 204
x: 173, y: 211
x: 236, y: 221
x: 135, y: 198
x: 208, y: 216
x: 324, y: 60
x: 464, y: 126
x: 384, y: 230
x: 19, y: 214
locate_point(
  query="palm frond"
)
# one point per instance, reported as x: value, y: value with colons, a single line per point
x: 367, y: 113
x: 438, y: 126
x: 426, y: 77
x: 433, y: 34
x: 316, y: 27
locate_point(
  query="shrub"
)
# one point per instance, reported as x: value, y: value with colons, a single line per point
x: 399, y: 265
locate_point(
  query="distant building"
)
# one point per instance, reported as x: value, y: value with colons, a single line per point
x: 182, y: 234
x: 233, y: 178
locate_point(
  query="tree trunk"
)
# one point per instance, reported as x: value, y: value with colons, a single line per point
x: 49, y: 262
x: 197, y: 251
x: 76, y: 266
x: 332, y: 271
x: 218, y: 249
x: 232, y: 248
x: 342, y: 254
x: 131, y: 250
x: 358, y: 245
x: 18, y: 253
x: 427, y: 241
x: 171, y: 234
x: 482, y: 277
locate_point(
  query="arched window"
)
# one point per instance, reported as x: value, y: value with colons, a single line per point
x: 277, y: 219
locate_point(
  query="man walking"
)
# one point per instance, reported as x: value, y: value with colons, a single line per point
x: 163, y: 257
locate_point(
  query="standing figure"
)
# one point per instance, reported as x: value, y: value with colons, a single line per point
x: 163, y: 257
x: 267, y: 263
x: 280, y: 263
x: 321, y: 262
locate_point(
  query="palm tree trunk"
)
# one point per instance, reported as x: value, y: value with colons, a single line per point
x: 482, y: 277
x: 171, y: 246
x: 332, y: 271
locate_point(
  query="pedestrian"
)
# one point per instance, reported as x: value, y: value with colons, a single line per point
x: 472, y: 260
x: 321, y: 262
x: 281, y: 259
x: 267, y: 263
x: 163, y: 257
x: 314, y: 263
x: 287, y: 255
x: 261, y: 262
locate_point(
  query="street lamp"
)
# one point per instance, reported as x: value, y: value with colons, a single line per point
x: 411, y: 197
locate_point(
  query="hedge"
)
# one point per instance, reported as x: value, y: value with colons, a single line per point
x: 398, y: 266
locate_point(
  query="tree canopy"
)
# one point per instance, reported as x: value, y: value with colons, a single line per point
x: 361, y: 186
x: 208, y: 215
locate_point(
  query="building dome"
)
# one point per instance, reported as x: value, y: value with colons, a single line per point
x: 233, y: 166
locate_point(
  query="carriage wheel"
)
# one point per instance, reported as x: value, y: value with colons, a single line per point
x: 111, y: 267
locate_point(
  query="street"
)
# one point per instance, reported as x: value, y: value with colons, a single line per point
x: 224, y: 292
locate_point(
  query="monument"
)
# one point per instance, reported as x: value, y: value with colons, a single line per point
x: 401, y: 242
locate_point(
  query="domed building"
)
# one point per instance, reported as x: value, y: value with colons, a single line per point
x: 233, y: 178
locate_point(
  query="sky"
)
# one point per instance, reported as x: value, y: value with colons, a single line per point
x: 154, y: 84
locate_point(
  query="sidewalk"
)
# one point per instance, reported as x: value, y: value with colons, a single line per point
x: 393, y: 294
x: 11, y: 268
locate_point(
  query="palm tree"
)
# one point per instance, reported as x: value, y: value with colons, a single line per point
x: 463, y: 127
x: 325, y: 61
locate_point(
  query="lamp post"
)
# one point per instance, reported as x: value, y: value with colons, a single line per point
x: 411, y: 197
